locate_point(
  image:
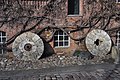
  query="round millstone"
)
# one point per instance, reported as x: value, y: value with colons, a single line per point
x: 28, y: 46
x: 98, y: 42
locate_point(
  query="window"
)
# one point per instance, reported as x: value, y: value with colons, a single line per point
x: 2, y: 41
x: 73, y: 7
x: 117, y: 0
x: 61, y: 39
x: 118, y: 39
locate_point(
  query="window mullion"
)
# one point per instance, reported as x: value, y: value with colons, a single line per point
x: 63, y: 39
x: 58, y: 39
x: 68, y: 41
x: 1, y: 42
x: 2, y: 51
x: 118, y: 38
x: 1, y: 37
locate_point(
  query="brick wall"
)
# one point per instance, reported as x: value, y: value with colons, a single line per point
x: 60, y: 18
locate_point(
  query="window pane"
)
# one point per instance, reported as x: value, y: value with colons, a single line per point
x: 73, y: 7
x: 56, y: 33
x: 3, y: 34
x: 66, y: 37
x: 4, y: 51
x: 60, y: 43
x: 3, y: 39
x: 60, y: 37
x: 76, y: 9
x: 0, y: 46
x: 65, y: 34
x: 55, y: 44
x: 60, y: 33
x: 0, y: 51
x: 66, y: 43
x: 55, y: 37
x: 4, y: 46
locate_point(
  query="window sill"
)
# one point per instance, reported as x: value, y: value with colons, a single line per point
x: 62, y: 47
x: 117, y: 2
x: 75, y: 15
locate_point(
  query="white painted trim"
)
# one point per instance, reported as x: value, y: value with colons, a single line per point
x: 117, y: 1
x: 74, y: 15
x: 57, y: 41
x: 118, y: 39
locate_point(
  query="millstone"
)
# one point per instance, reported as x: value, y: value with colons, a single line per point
x: 28, y: 46
x: 98, y: 42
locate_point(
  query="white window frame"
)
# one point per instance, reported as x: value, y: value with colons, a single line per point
x: 63, y: 41
x: 117, y: 1
x: 1, y: 40
x: 118, y: 39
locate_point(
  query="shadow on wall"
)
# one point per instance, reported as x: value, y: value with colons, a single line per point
x: 48, y: 50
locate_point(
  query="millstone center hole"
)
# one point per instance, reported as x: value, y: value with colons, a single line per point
x: 28, y: 47
x: 97, y: 42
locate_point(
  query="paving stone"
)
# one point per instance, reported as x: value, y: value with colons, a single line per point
x: 8, y: 78
x: 53, y: 77
x: 42, y: 77
x: 65, y: 76
x: 76, y: 76
x: 48, y: 77
x: 93, y: 78
x: 58, y: 77
x: 93, y: 74
x: 82, y: 77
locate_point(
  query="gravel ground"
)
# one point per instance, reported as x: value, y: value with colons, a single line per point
x: 52, y: 61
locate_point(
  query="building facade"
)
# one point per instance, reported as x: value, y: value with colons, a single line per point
x: 66, y: 13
